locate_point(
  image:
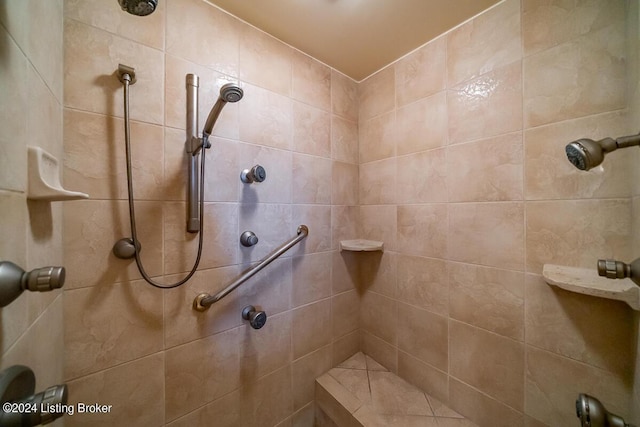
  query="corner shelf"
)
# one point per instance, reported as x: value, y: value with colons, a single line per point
x: 586, y: 281
x: 361, y: 245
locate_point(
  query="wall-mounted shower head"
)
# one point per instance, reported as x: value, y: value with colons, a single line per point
x: 139, y: 7
x: 592, y: 413
x: 586, y: 153
x: 228, y: 93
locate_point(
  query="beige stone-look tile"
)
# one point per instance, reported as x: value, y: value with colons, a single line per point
x: 345, y: 272
x: 91, y: 58
x: 110, y: 17
x: 134, y: 389
x: 378, y: 316
x: 553, y: 382
x: 344, y: 184
x: 345, y: 313
x: 532, y: 422
x: 377, y: 137
x: 548, y: 173
x: 306, y: 416
x: 200, y: 372
x: 355, y: 381
x: 225, y: 411
x: 357, y: 361
x: 344, y: 96
x: 312, y: 282
x: 318, y: 219
x: 221, y: 171
x: 311, y: 81
x: 92, y: 227
x: 379, y: 223
x: 422, y: 72
x: 490, y: 234
x: 441, y: 410
x: 335, y: 400
x: 278, y: 165
x: 391, y: 394
x: 423, y: 282
x: 44, y: 116
x: 488, y: 41
x: 203, y: 34
x: 377, y: 182
x: 109, y: 325
x: 220, y: 236
x: 270, y: 222
x: 271, y: 288
x: 423, y: 335
x: 486, y: 106
x: 488, y: 298
x: 577, y: 232
x: 455, y: 422
x: 487, y: 170
x: 344, y: 223
x: 578, y: 78
x: 376, y: 94
x: 381, y: 351
x: 379, y: 272
x: 481, y: 408
x: 422, y: 177
x: 424, y: 376
x: 422, y: 230
x: 183, y: 324
x: 311, y: 130
x: 596, y: 331
x: 550, y: 23
x: 275, y: 336
x: 344, y: 347
x: 266, y: 118
x: 13, y: 120
x: 344, y: 140
x: 209, y: 84
x: 45, y: 43
x: 15, y: 19
x: 265, y: 61
x: 488, y: 362
x: 267, y: 401
x: 304, y: 372
x: 312, y: 183
x: 422, y: 125
x: 309, y: 327
x: 95, y: 156
x: 368, y: 416
x: 372, y: 365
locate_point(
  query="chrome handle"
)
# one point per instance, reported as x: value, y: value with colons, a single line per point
x: 257, y: 319
x: 255, y: 174
x: 248, y: 239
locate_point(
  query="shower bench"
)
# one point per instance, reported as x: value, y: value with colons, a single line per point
x: 361, y: 392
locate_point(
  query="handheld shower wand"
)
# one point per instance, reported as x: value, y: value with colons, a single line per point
x: 228, y: 93
x: 586, y: 153
x: 592, y: 413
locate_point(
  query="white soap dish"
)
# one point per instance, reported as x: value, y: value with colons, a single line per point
x: 44, y: 178
x: 361, y: 245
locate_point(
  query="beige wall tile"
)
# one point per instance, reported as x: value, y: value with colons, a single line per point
x: 378, y: 272
x: 45, y: 43
x: 345, y: 308
x: 422, y: 177
x: 422, y: 230
x: 344, y: 347
x: 381, y: 351
x: 423, y: 282
x: 275, y: 336
x: 14, y: 226
x: 225, y: 410
x: 596, y: 331
x: 311, y: 130
x: 377, y: 182
x: 377, y: 137
x: 44, y: 116
x: 200, y: 372
x: 422, y: 125
x: 345, y: 272
x: 424, y: 376
x: 423, y: 335
x: 109, y: 325
x: 378, y: 316
x: 194, y: 27
x: 376, y: 94
x: 379, y: 223
x: 309, y: 327
x: 265, y: 61
x: 344, y: 224
x: 265, y: 118
x: 128, y: 387
x: 312, y: 183
x: 344, y: 184
x: 481, y: 408
x: 578, y: 233
x: 268, y: 401
x: 278, y: 165
x: 271, y: 288
x: 422, y: 72
x: 344, y: 96
x: 271, y: 223
x: 312, y: 282
x: 488, y: 362
x: 487, y: 170
x: 91, y: 56
x: 318, y: 219
x: 553, y: 382
x: 488, y: 298
x: 304, y: 372
x: 344, y: 139
x: 490, y: 234
x: 578, y: 78
x: 486, y: 106
x: 489, y: 41
x: 311, y: 81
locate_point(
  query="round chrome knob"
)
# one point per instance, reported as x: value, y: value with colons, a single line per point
x: 257, y: 319
x: 248, y: 239
x: 255, y: 174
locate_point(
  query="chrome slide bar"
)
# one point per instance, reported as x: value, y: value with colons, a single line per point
x: 203, y: 301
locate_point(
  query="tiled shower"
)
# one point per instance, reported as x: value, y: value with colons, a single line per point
x: 453, y: 156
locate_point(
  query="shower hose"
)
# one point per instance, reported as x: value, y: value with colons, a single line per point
x: 126, y: 79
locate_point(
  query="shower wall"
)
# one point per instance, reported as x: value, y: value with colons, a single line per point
x: 30, y: 114
x: 463, y: 176
x: 144, y: 350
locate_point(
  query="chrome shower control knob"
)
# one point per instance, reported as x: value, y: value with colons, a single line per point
x: 612, y: 269
x: 257, y: 319
x: 255, y: 174
x: 45, y: 279
x: 248, y: 239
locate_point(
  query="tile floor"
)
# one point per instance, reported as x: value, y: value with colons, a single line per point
x: 361, y: 392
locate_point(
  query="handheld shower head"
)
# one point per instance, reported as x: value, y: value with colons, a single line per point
x: 228, y: 93
x: 586, y: 153
x: 139, y: 7
x: 592, y: 413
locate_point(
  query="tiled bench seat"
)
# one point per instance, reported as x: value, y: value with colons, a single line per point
x: 362, y: 393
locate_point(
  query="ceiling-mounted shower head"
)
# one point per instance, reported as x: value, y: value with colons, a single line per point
x: 586, y: 153
x: 139, y: 7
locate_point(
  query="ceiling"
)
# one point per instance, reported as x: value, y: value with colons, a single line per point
x: 356, y: 37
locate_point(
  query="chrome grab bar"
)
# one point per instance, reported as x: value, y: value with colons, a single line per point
x: 203, y: 301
